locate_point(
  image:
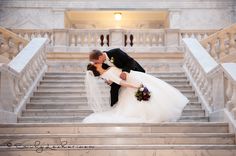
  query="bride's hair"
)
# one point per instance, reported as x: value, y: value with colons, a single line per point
x: 92, y: 68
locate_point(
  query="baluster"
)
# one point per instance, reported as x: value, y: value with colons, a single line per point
x: 92, y: 39
x: 229, y: 92
x: 128, y: 41
x: 79, y: 40
x: 210, y: 96
x: 153, y: 40
x: 141, y: 39
x: 232, y: 40
x: 97, y: 40
x: 222, y: 46
x: 233, y: 101
x: 213, y: 50
x: 162, y: 39
x: 135, y: 41
x: 72, y: 40
x: 105, y: 41
x: 17, y: 89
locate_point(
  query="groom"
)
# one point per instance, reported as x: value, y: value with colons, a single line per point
x: 120, y: 59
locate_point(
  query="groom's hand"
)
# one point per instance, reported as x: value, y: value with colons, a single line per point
x: 108, y: 82
x: 123, y: 76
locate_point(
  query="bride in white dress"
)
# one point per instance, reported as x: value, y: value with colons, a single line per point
x: 165, y: 104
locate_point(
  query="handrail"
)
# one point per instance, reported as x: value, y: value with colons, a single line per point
x: 229, y: 70
x: 21, y: 75
x: 204, y: 74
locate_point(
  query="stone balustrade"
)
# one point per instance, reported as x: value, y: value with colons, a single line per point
x: 230, y: 87
x: 214, y: 83
x: 205, y: 75
x: 85, y: 39
x: 221, y: 44
x: 197, y: 34
x: 30, y: 34
x: 130, y: 40
x: 10, y: 44
x: 19, y: 77
x: 148, y: 37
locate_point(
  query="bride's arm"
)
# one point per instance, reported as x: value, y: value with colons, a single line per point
x: 126, y: 84
x: 116, y: 79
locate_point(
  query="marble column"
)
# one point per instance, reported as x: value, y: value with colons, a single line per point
x: 58, y: 18
x: 116, y: 38
x: 175, y: 18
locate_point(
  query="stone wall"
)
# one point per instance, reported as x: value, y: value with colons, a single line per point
x: 188, y: 14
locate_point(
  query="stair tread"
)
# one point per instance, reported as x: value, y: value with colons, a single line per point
x: 108, y: 135
x: 134, y: 147
x: 163, y: 124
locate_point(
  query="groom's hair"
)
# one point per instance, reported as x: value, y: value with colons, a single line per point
x: 94, y: 55
x: 92, y: 68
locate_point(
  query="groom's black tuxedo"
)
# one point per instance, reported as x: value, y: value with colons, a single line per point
x: 123, y: 61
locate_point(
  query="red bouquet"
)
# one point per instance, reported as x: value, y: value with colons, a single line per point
x: 143, y: 94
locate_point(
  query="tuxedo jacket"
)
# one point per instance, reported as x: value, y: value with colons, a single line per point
x: 123, y: 61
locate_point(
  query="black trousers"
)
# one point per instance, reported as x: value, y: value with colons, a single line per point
x: 114, y: 93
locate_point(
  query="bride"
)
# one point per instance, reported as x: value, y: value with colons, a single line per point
x: 165, y: 104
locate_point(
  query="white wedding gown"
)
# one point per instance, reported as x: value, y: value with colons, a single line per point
x: 165, y: 104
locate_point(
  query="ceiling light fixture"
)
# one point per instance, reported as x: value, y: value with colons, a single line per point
x: 118, y: 16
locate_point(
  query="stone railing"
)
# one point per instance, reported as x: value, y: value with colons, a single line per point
x: 19, y: 77
x: 131, y: 40
x: 197, y: 34
x: 148, y: 37
x: 10, y: 44
x: 30, y: 34
x: 84, y: 39
x: 204, y: 74
x: 230, y: 88
x: 222, y: 43
x: 214, y: 83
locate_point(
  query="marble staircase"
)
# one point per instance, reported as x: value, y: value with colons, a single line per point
x: 51, y: 125
x: 60, y: 97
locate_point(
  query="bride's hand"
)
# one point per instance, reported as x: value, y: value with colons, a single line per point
x: 123, y: 76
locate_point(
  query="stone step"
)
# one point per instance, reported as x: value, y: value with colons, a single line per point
x: 80, y: 86
x: 45, y: 119
x: 193, y: 106
x: 64, y: 73
x: 76, y: 128
x: 194, y: 119
x: 120, y: 150
x: 121, y: 138
x: 76, y: 77
x: 57, y: 112
x: 69, y: 119
x: 83, y: 92
x: 83, y: 73
x: 86, y: 112
x: 174, y: 81
x: 56, y: 106
x: 83, y: 105
x: 78, y: 98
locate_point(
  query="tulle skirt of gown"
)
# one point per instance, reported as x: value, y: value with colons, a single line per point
x: 165, y: 105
